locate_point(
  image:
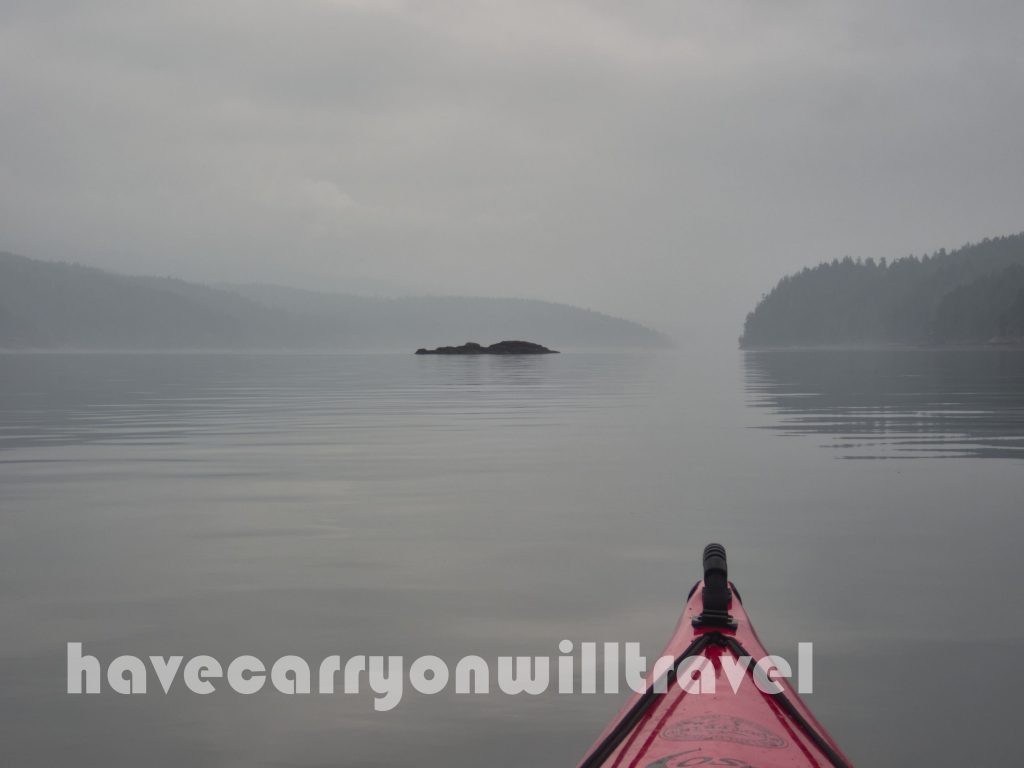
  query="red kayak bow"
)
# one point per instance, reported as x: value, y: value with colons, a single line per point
x: 675, y: 726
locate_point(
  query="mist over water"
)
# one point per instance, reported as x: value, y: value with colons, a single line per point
x: 392, y: 504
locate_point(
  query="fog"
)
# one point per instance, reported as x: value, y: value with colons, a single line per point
x: 662, y: 161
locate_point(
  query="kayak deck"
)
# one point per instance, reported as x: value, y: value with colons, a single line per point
x: 745, y: 728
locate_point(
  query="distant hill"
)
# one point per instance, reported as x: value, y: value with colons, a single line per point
x: 969, y: 296
x: 56, y: 305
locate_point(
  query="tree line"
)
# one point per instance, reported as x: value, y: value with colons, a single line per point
x: 971, y: 295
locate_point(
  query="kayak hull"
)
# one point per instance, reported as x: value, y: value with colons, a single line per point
x: 718, y: 717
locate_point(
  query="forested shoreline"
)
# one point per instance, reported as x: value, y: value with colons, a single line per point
x: 972, y: 295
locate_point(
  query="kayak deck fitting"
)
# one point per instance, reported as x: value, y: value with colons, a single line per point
x: 667, y: 727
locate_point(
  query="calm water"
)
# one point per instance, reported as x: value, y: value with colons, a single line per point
x: 393, y: 504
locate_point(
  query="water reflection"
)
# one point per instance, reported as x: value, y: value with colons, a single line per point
x: 395, y: 504
x: 49, y: 400
x: 875, y: 404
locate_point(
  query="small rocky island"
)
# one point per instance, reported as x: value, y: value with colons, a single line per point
x: 501, y: 348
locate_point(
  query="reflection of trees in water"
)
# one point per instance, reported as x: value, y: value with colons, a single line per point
x: 895, y: 403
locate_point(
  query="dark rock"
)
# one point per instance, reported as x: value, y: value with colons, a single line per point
x: 501, y: 348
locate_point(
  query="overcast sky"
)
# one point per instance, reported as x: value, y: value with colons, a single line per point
x: 667, y: 161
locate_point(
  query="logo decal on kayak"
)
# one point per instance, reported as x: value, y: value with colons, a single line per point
x: 723, y: 728
x: 690, y: 759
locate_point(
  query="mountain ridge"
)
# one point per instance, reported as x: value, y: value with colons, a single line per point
x: 64, y: 305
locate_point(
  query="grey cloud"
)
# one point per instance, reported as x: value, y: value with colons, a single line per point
x: 662, y: 160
